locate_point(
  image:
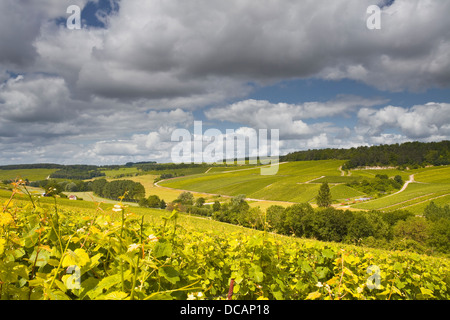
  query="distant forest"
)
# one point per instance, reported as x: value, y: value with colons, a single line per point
x: 32, y: 166
x: 167, y: 166
x: 77, y: 172
x: 409, y: 154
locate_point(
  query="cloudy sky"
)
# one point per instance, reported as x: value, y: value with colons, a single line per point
x: 115, y: 90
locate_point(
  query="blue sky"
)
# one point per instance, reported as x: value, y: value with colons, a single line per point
x: 115, y: 90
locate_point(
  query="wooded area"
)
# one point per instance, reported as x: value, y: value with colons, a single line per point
x: 409, y: 154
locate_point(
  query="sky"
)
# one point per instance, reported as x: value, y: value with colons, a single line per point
x: 116, y: 89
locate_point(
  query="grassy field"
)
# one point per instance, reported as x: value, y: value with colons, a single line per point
x: 295, y: 182
x: 300, y: 182
x: 30, y: 174
x: 168, y: 194
x: 430, y: 184
x: 119, y: 171
x: 289, y: 184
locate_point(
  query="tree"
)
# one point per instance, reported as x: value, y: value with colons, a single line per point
x: 200, y: 202
x: 154, y: 201
x: 398, y: 179
x: 238, y: 204
x: 392, y: 217
x: 71, y: 187
x: 216, y: 206
x: 415, y: 228
x: 276, y: 217
x: 296, y: 219
x: 433, y: 212
x: 98, y: 185
x: 324, y: 197
x: 359, y: 228
x: 439, y: 234
x: 143, y: 203
x: 186, y: 198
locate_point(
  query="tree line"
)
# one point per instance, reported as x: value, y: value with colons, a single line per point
x: 408, y: 154
x: 129, y: 190
x: 32, y: 166
x: 378, y: 185
x: 59, y: 187
x: 395, y: 230
x: 133, y: 191
x: 77, y: 172
x: 167, y: 166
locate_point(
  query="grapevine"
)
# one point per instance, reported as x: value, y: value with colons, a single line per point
x: 120, y: 255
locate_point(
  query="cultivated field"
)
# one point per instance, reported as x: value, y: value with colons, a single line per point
x: 300, y: 181
x: 30, y: 174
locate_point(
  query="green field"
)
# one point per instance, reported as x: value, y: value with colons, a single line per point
x: 30, y: 174
x: 289, y: 184
x: 297, y: 182
x: 300, y: 182
x: 431, y: 184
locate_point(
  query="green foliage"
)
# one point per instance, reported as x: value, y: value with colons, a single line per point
x: 186, y: 198
x: 153, y: 201
x: 323, y: 199
x: 414, y: 228
x: 398, y: 179
x: 395, y: 229
x: 216, y: 206
x: 433, y: 212
x: 380, y: 184
x: 406, y: 154
x: 119, y: 255
x: 117, y: 188
x: 392, y: 217
x: 200, y: 202
x: 77, y: 172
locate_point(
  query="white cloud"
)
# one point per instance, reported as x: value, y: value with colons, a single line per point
x: 289, y: 118
x: 417, y: 122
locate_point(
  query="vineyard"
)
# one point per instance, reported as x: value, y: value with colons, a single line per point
x: 54, y: 252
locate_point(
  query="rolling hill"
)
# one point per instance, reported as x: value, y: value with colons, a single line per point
x: 299, y: 182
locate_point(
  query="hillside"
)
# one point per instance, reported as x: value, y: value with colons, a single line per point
x: 299, y: 182
x: 135, y: 253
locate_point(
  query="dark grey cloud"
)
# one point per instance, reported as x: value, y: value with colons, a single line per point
x: 20, y: 23
x: 189, y: 49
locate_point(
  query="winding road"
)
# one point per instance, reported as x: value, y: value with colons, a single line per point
x: 411, y: 180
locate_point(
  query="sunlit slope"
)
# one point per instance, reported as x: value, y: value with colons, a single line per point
x: 430, y: 184
x: 294, y: 181
x: 300, y: 182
